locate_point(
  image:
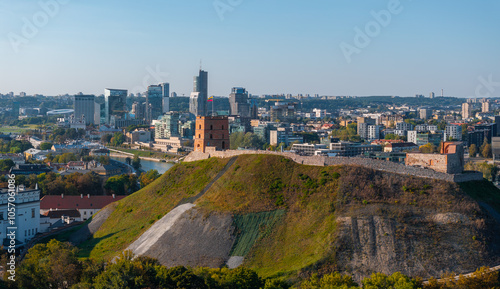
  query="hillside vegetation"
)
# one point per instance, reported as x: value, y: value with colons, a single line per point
x: 295, y: 220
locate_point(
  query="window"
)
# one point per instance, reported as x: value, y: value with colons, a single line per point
x: 200, y: 126
x: 210, y: 136
x: 32, y: 213
x: 32, y: 231
x: 85, y: 212
x: 199, y: 135
x: 222, y: 126
x: 211, y: 127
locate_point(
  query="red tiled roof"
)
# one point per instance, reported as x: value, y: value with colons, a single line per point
x: 77, y: 202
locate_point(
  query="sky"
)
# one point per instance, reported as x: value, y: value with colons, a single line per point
x: 326, y: 47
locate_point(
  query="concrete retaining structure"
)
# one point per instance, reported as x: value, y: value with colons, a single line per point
x: 379, y: 165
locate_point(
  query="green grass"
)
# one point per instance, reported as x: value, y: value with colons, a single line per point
x: 13, y: 129
x: 483, y: 191
x: 252, y: 226
x: 63, y: 236
x: 136, y: 213
x: 285, y: 213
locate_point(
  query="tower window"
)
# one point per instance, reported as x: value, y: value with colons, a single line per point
x: 211, y: 127
x: 210, y: 136
x: 200, y: 126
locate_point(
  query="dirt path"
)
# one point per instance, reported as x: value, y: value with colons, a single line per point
x: 207, y: 187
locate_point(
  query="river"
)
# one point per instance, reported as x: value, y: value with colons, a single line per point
x: 149, y: 165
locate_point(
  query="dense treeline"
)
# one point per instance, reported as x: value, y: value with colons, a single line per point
x: 14, y: 146
x: 56, y: 265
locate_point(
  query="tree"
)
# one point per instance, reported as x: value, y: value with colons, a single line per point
x: 486, y: 151
x: 106, y: 138
x: 148, y: 177
x: 45, y: 146
x: 472, y: 150
x: 136, y: 162
x: 51, y: 265
x: 428, y: 148
x: 118, y: 139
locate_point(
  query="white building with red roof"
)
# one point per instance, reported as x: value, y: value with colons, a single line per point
x: 87, y: 205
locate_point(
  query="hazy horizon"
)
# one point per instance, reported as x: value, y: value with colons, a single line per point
x: 365, y: 48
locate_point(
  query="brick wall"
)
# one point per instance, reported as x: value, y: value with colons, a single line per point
x: 211, y: 131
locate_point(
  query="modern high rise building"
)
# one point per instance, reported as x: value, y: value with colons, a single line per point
x: 485, y: 106
x: 165, y: 90
x: 466, y: 110
x: 168, y: 126
x: 157, y: 100
x: 116, y: 104
x: 425, y: 113
x: 85, y: 106
x: 238, y: 101
x: 139, y: 110
x: 198, y: 99
x: 453, y: 132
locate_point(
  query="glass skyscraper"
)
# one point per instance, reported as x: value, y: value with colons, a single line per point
x: 115, y: 104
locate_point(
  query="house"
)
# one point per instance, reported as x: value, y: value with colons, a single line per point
x: 36, y: 154
x: 85, y: 205
x: 26, y: 218
x: 107, y: 170
x: 76, y: 165
x: 16, y: 158
x: 57, y: 215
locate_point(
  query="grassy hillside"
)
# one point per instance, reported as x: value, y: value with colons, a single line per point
x: 286, y: 214
x: 136, y: 213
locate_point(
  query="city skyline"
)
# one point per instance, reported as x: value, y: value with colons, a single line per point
x: 330, y: 48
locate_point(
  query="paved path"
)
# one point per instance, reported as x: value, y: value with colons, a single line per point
x: 492, y: 269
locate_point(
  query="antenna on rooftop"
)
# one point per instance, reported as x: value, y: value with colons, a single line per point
x: 200, y: 64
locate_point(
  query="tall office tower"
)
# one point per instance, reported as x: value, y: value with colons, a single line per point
x: 139, y: 110
x: 85, y: 106
x: 198, y: 99
x: 485, y: 106
x: 154, y: 102
x: 165, y: 90
x: 115, y: 104
x: 238, y: 100
x: 432, y: 95
x: 466, y: 110
x: 97, y: 113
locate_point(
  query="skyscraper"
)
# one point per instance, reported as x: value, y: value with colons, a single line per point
x: 85, y: 106
x: 238, y: 100
x: 466, y: 110
x: 198, y: 99
x: 116, y: 104
x: 485, y: 106
x: 165, y: 90
x: 154, y: 102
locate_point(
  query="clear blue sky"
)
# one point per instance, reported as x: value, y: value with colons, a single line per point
x: 266, y: 46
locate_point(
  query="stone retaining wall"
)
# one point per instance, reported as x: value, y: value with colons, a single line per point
x: 380, y: 165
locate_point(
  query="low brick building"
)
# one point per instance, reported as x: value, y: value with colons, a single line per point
x: 450, y: 160
x: 211, y: 132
